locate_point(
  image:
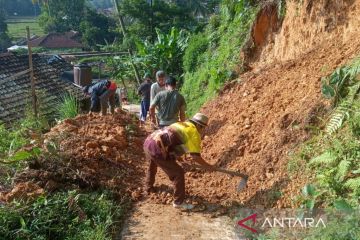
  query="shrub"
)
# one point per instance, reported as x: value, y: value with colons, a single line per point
x: 195, y: 51
x: 217, y: 64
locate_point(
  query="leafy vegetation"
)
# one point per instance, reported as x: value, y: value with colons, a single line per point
x: 12, y: 139
x: 342, y: 87
x: 165, y: 53
x: 68, y: 107
x: 197, y: 46
x: 61, y: 16
x: 4, y: 37
x: 143, y: 17
x: 64, y: 215
x: 334, y: 160
x: 337, y: 160
x: 225, y: 35
x: 97, y: 29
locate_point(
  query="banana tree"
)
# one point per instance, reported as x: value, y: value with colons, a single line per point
x: 165, y: 53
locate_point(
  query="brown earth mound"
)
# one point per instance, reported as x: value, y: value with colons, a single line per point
x: 87, y: 152
x: 260, y: 119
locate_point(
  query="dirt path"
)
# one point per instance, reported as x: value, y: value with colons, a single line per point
x: 154, y: 217
x: 156, y: 221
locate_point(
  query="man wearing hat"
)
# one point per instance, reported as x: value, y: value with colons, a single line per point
x: 164, y: 145
x: 144, y: 91
x: 170, y: 105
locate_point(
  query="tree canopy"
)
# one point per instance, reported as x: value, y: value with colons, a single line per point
x: 4, y: 38
x: 144, y: 16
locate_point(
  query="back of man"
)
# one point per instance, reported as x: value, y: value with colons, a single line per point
x: 99, y: 88
x: 101, y: 94
x: 144, y: 90
x: 170, y: 104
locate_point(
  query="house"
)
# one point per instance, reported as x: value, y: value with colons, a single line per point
x: 15, y: 89
x: 58, y: 40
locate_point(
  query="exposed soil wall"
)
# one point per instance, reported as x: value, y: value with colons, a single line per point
x: 262, y: 117
x: 306, y: 26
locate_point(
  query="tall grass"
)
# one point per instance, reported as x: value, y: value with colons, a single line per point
x: 63, y: 215
x: 68, y: 107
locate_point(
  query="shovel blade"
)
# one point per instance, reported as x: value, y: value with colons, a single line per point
x: 242, y: 184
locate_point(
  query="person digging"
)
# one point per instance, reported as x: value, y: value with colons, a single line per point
x: 101, y: 93
x: 164, y: 145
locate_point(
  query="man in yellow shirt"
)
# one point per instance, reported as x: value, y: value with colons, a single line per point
x: 162, y: 147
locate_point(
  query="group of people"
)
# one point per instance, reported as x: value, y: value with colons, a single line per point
x: 163, y: 97
x: 175, y: 136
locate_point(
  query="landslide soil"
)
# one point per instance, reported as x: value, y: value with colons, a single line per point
x: 88, y: 152
x: 260, y: 119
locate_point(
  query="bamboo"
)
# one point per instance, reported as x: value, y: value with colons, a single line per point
x: 123, y: 29
x: 32, y: 79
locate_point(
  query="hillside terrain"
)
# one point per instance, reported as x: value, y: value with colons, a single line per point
x: 91, y: 168
x: 260, y: 119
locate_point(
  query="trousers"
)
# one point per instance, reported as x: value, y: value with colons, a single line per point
x: 157, y: 158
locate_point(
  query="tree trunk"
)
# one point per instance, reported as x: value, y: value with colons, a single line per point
x: 123, y: 29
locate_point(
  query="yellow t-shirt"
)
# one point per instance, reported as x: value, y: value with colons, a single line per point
x: 189, y: 136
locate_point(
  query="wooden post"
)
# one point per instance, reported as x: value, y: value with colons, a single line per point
x: 123, y: 30
x: 99, y: 70
x: 31, y: 68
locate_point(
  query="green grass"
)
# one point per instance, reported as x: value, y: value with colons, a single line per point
x: 68, y: 107
x: 216, y: 65
x: 64, y: 215
x: 17, y: 27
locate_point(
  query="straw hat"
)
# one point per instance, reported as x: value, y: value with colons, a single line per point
x: 200, y: 119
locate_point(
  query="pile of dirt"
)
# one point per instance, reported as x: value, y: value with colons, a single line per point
x: 268, y: 112
x: 88, y: 152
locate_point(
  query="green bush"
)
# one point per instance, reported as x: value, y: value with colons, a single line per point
x: 64, y: 215
x: 226, y: 35
x: 197, y: 46
x: 166, y: 53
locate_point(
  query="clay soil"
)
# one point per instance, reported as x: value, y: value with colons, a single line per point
x: 260, y: 119
x: 88, y: 152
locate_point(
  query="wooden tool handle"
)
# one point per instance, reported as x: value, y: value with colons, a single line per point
x: 232, y: 173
